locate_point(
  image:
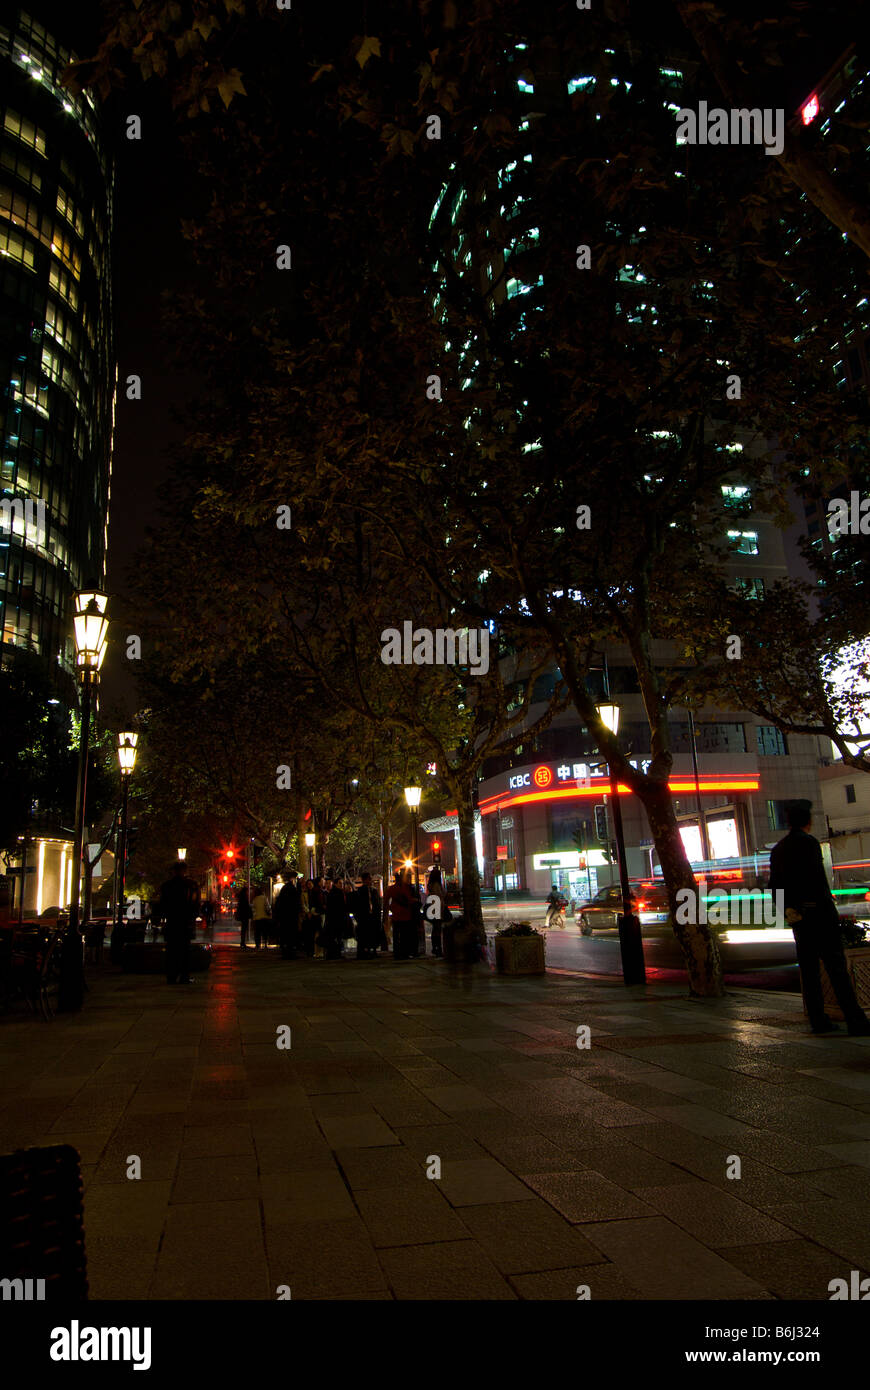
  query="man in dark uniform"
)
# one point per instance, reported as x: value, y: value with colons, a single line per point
x: 797, y: 868
x: 366, y: 908
x: 179, y: 902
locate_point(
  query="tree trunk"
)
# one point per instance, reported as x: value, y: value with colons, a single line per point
x: 301, y: 831
x: 88, y: 886
x: 386, y: 851
x: 697, y: 942
x: 470, y: 873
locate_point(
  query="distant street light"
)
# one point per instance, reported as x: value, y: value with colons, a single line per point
x: 127, y: 761
x: 182, y: 855
x: 310, y: 840
x: 90, y: 626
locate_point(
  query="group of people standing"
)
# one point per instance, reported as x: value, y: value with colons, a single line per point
x: 317, y: 917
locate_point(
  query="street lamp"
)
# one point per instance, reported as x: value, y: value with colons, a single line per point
x: 630, y: 939
x: 413, y: 797
x: 127, y: 761
x: 182, y: 855
x: 90, y: 626
x: 702, y: 818
x: 310, y: 840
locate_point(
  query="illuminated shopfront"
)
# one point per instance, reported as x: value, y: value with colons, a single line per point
x: 537, y: 823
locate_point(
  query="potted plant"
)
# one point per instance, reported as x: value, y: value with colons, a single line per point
x: 856, y: 949
x: 519, y: 950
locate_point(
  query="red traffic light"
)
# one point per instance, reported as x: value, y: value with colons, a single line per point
x: 231, y: 854
x: 226, y: 878
x: 436, y: 845
x: 810, y: 110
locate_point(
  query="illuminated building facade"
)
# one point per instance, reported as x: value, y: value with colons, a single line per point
x: 57, y: 374
x: 56, y: 352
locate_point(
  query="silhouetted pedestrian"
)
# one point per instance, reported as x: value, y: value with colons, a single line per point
x: 261, y: 916
x: 179, y: 901
x: 437, y: 911
x: 286, y: 912
x: 798, y: 870
x: 336, y: 927
x: 366, y: 908
x: 243, y: 916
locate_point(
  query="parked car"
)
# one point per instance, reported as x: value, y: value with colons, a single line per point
x: 601, y: 912
x: 56, y: 915
x: 853, y: 899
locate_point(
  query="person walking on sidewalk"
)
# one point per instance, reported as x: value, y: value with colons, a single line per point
x: 179, y: 902
x: 261, y: 914
x: 798, y: 871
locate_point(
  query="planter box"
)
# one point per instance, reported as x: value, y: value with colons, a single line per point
x: 519, y: 955
x: 149, y: 957
x: 858, y: 966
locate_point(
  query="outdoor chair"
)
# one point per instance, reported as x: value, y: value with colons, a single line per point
x: 41, y: 1221
x: 33, y: 952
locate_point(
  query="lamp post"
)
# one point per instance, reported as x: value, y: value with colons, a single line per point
x: 90, y: 626
x: 702, y: 818
x: 630, y: 939
x: 310, y: 840
x: 413, y: 796
x: 182, y: 855
x: 126, y: 761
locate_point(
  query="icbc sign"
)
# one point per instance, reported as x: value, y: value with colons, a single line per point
x: 543, y: 776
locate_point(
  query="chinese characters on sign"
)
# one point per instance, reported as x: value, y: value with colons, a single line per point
x: 542, y: 776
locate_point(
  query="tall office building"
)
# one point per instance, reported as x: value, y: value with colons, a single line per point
x: 56, y: 355
x: 57, y: 374
x: 537, y: 806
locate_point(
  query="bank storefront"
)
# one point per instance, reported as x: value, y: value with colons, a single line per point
x: 551, y: 822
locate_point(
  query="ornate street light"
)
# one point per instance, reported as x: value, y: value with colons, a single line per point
x: 90, y: 626
x: 310, y: 840
x: 413, y: 796
x: 609, y: 716
x: 91, y: 629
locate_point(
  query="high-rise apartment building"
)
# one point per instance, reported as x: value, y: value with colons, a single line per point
x: 538, y: 804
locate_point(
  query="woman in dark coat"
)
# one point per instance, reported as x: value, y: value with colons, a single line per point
x: 400, y: 907
x: 337, y: 925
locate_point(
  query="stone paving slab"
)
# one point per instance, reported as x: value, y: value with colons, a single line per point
x: 610, y: 1167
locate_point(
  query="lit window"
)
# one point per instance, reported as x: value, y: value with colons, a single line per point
x: 744, y: 542
x: 736, y: 497
x: 25, y: 131
x: 750, y: 588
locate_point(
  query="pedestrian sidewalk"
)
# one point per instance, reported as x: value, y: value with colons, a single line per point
x: 560, y: 1167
